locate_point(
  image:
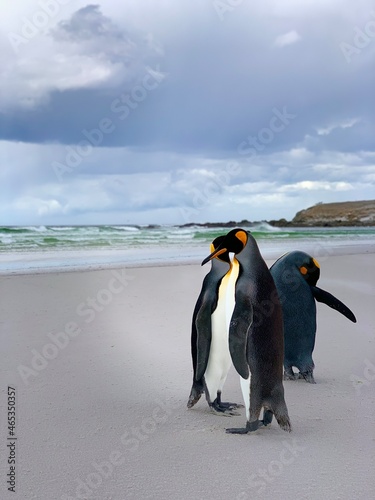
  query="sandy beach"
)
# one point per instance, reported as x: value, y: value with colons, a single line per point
x: 101, y: 367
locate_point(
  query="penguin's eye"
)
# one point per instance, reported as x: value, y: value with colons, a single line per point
x: 303, y: 270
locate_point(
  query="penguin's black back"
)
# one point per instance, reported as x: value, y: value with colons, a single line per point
x: 299, y: 309
x: 265, y: 347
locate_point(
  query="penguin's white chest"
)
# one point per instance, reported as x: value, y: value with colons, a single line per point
x: 219, y: 360
x: 222, y: 315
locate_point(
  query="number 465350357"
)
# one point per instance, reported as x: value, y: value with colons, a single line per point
x: 11, y: 410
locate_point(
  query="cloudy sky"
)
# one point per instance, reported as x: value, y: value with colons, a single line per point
x: 166, y: 111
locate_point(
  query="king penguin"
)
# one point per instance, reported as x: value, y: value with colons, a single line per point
x: 238, y: 319
x: 296, y: 274
x: 216, y: 344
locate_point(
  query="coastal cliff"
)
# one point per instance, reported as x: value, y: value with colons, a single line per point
x: 351, y: 213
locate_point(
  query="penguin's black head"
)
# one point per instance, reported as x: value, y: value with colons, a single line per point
x: 310, y: 271
x: 224, y: 256
x: 234, y: 242
x: 307, y: 266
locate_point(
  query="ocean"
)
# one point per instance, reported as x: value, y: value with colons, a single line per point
x: 58, y: 248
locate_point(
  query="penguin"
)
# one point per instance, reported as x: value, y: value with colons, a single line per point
x: 296, y: 274
x: 220, y: 358
x: 238, y: 319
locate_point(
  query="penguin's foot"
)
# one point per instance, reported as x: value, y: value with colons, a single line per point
x: 224, y: 409
x: 229, y: 406
x: 250, y: 427
x: 289, y: 374
x: 267, y: 417
x: 308, y: 376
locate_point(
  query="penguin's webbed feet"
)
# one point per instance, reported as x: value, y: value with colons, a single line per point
x: 250, y: 427
x: 230, y: 406
x: 289, y: 374
x: 226, y: 405
x: 267, y: 417
x: 225, y: 409
x: 308, y: 376
x: 221, y: 408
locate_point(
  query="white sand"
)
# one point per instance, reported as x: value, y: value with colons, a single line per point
x: 118, y: 391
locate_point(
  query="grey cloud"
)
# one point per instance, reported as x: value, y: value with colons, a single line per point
x: 219, y: 84
x: 222, y: 86
x: 93, y: 32
x: 87, y: 23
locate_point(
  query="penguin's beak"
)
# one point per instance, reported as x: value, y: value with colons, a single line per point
x: 215, y: 253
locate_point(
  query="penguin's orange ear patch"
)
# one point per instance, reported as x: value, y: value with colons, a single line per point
x: 303, y: 270
x: 316, y: 263
x: 242, y: 236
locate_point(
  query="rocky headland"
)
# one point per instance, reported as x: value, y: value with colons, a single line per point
x: 350, y: 213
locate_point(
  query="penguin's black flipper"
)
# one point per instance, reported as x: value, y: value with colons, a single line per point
x: 198, y: 357
x: 239, y: 327
x: 331, y: 301
x: 238, y: 332
x: 203, y: 327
